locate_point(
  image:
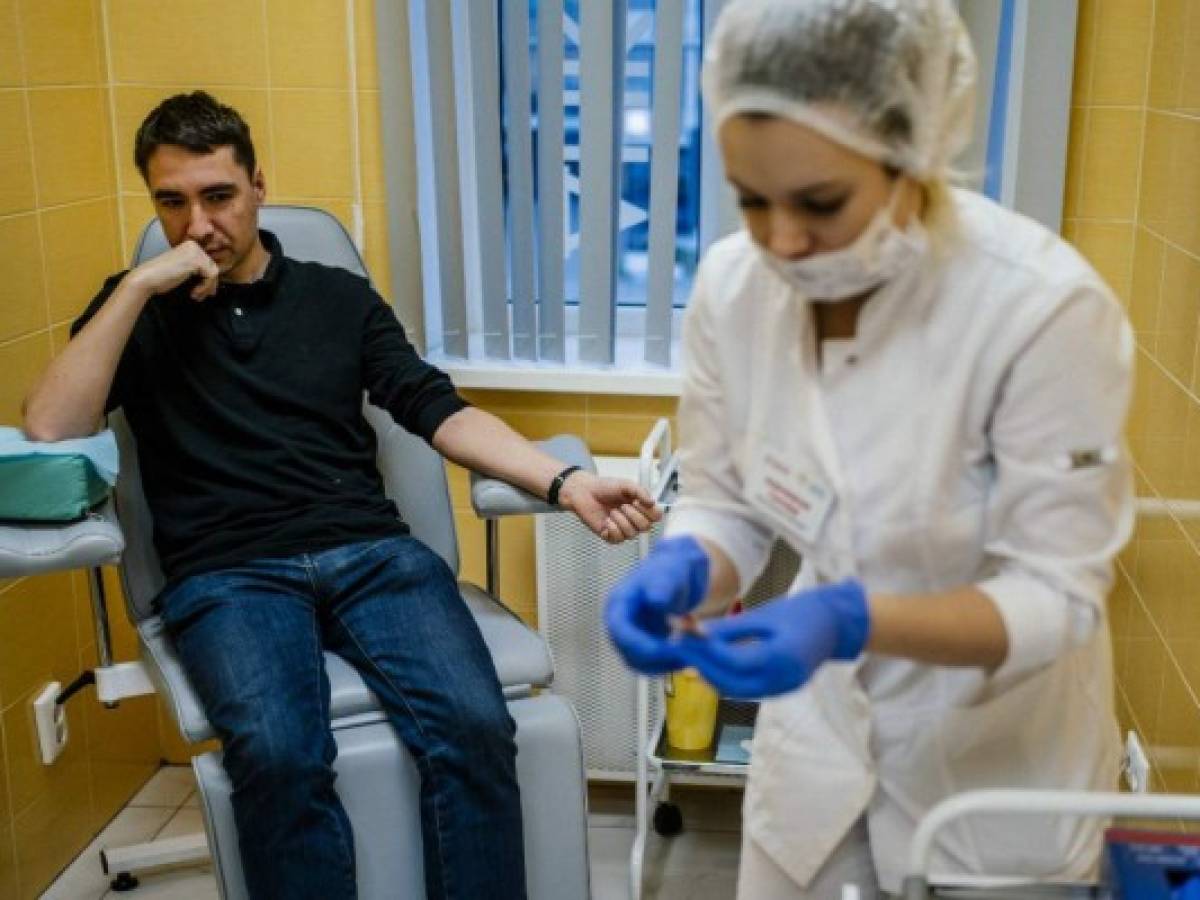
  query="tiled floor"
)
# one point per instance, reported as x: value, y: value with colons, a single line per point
x: 165, y: 807
x: 699, y: 864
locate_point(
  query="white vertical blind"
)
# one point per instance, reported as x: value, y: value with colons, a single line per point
x: 664, y: 178
x: 438, y: 189
x: 484, y: 97
x: 547, y: 229
x: 601, y: 73
x: 519, y: 119
x: 718, y: 212
x: 551, y: 289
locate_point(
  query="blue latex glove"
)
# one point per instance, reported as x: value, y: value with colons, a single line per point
x: 775, y: 648
x: 671, y: 581
x: 1190, y: 890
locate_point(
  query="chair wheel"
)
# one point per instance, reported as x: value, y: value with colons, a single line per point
x: 123, y: 882
x: 668, y: 819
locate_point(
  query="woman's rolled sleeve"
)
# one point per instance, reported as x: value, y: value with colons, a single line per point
x: 1061, y: 507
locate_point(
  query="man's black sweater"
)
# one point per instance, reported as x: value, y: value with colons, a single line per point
x: 247, y: 412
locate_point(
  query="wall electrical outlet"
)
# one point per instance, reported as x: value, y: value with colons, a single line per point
x: 1136, y: 764
x: 51, y: 720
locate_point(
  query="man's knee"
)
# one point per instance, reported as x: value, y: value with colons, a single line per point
x: 274, y: 759
x: 484, y: 731
x: 489, y: 716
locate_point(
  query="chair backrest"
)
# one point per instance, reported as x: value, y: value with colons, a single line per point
x: 413, y: 473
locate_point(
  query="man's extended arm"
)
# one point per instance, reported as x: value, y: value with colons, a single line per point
x: 612, y: 508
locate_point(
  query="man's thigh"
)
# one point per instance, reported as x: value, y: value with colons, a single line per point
x: 248, y: 639
x: 401, y: 620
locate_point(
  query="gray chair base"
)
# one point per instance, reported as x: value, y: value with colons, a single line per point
x: 378, y: 784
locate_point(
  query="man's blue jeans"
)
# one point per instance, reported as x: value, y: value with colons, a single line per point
x: 250, y: 639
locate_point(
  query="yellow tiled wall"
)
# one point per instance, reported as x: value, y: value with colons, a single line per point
x: 76, y: 78
x: 287, y: 68
x: 1133, y: 207
x: 58, y: 239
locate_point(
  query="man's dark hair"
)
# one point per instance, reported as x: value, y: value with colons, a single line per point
x: 196, y: 122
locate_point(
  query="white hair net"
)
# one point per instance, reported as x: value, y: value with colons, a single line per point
x: 891, y: 79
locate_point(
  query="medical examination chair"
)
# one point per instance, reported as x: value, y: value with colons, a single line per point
x: 376, y: 778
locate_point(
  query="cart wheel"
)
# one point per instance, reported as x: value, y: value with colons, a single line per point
x: 668, y: 819
x: 124, y: 882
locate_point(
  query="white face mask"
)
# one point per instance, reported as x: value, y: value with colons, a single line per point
x: 882, y: 252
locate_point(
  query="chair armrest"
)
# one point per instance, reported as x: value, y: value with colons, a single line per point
x: 492, y: 498
x: 32, y: 549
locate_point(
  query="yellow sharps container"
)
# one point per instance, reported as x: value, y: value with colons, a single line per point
x: 691, y: 710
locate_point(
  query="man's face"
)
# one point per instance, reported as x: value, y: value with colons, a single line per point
x: 210, y: 199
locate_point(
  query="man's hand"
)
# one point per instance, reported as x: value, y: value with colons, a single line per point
x: 68, y: 400
x: 171, y: 269
x: 613, y: 508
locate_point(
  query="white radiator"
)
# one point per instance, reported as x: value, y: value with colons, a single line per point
x: 575, y: 571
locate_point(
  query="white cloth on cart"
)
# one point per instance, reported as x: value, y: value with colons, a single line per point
x: 971, y: 434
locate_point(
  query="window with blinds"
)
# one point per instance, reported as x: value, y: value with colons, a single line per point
x: 567, y: 183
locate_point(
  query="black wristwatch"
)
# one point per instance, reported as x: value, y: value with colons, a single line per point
x: 557, y: 483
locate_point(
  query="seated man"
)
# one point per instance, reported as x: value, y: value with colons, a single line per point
x: 241, y: 373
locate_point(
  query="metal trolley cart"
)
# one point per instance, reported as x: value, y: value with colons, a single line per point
x: 917, y: 884
x: 658, y: 763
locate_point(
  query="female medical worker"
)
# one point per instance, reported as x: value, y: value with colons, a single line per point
x: 923, y: 394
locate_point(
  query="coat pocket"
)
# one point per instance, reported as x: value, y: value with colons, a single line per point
x: 1046, y: 732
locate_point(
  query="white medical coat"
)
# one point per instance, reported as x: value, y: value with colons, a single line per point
x: 970, y: 433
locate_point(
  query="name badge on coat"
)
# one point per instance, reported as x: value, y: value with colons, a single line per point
x: 795, y: 498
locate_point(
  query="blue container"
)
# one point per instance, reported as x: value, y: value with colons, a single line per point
x: 1150, y: 865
